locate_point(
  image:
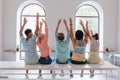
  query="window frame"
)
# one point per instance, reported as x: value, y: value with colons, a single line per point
x: 98, y: 17
x: 21, y: 16
x: 89, y: 16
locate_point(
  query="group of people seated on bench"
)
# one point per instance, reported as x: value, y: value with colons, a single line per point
x: 62, y: 52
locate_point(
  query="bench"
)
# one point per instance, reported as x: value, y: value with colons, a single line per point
x: 17, y: 65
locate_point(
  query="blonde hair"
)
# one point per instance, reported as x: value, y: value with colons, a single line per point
x: 40, y: 35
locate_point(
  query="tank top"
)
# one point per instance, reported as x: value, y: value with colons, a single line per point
x: 79, y: 47
x: 94, y: 46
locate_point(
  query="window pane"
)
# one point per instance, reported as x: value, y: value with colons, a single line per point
x: 31, y: 23
x: 33, y: 9
x: 30, y: 13
x: 92, y: 23
x: 86, y: 11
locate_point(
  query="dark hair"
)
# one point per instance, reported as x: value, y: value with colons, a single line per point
x: 96, y: 36
x: 27, y: 31
x: 61, y: 36
x: 71, y: 54
x: 79, y: 35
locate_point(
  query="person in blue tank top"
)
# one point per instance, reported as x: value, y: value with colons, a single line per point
x: 79, y: 44
x: 62, y: 49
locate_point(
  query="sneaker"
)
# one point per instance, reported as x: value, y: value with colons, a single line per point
x: 81, y: 75
x: 26, y: 76
x: 39, y: 76
x: 91, y: 75
x: 62, y: 74
x: 50, y: 71
x: 71, y: 75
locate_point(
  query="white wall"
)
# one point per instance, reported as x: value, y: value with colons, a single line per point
x: 118, y: 27
x: 56, y: 9
x: 0, y: 28
x: 110, y: 9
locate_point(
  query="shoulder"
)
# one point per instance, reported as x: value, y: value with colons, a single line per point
x: 22, y: 38
x: 34, y: 36
x: 68, y: 33
x: 83, y: 42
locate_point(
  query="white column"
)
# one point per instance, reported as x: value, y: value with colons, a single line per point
x: 0, y: 28
x: 118, y: 26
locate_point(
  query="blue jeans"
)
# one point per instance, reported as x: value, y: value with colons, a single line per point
x: 43, y: 60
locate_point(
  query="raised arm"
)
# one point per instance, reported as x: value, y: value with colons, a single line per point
x: 88, y: 32
x: 22, y: 27
x: 40, y: 29
x: 37, y: 24
x: 85, y: 30
x: 46, y: 28
x: 91, y: 32
x: 65, y: 22
x: 71, y: 33
x: 59, y: 21
x: 83, y: 27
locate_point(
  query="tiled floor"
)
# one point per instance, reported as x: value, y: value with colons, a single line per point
x: 99, y: 75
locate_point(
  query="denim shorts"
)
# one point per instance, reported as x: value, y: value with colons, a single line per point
x: 43, y: 60
x: 58, y: 62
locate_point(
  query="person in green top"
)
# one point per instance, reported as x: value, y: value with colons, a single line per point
x: 62, y: 49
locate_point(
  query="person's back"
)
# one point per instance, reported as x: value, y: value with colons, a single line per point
x: 94, y: 46
x: 62, y: 50
x: 79, y: 41
x: 94, y: 57
x: 29, y: 43
x: 79, y: 51
x: 42, y: 43
x: 80, y: 47
x: 29, y: 46
x: 78, y: 55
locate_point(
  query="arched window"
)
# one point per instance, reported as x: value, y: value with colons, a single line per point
x: 92, y: 12
x: 89, y: 13
x: 28, y: 10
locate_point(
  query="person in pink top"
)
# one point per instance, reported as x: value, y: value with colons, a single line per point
x: 42, y: 43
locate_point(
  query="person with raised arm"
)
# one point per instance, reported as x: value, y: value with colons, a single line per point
x: 79, y: 41
x: 62, y: 49
x: 42, y: 43
x: 94, y: 57
x: 29, y: 43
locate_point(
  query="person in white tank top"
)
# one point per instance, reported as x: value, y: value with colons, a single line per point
x: 94, y: 57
